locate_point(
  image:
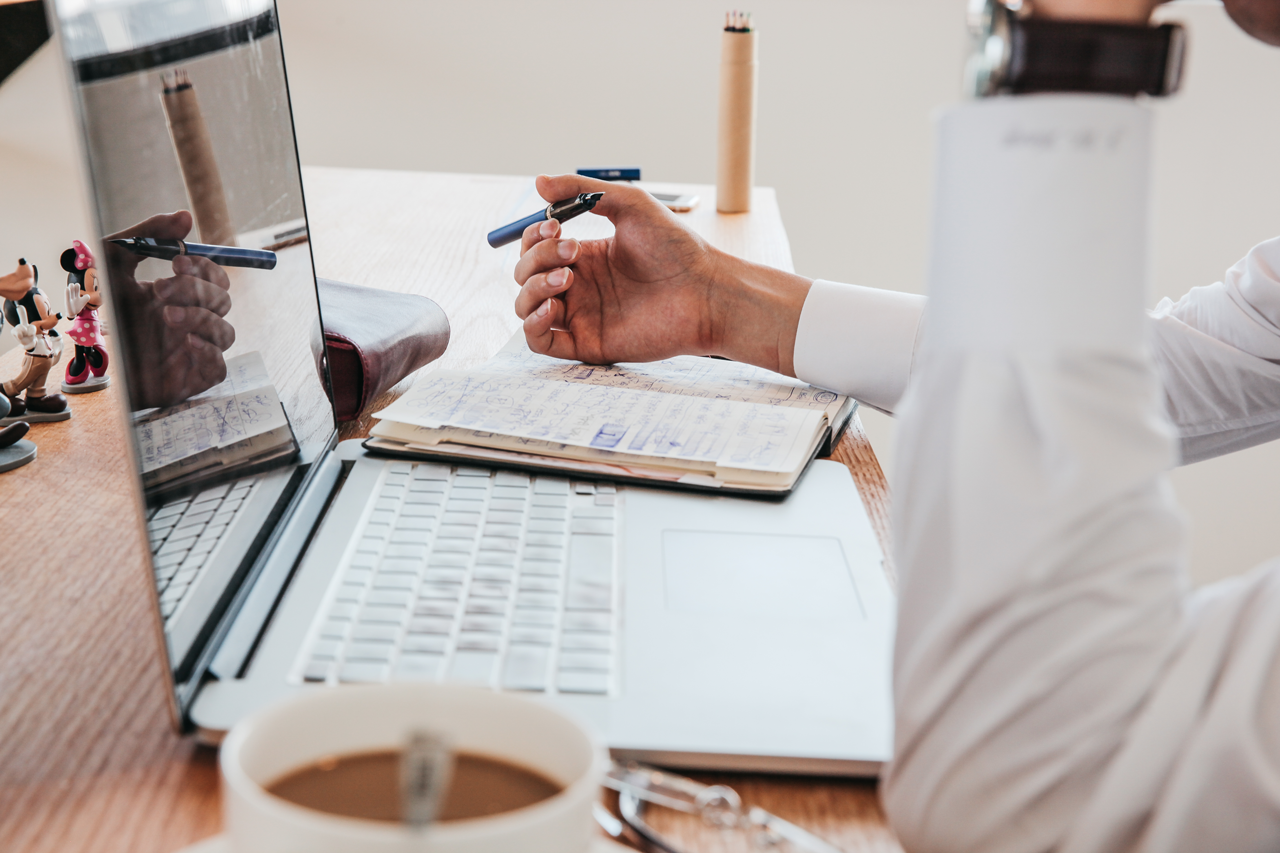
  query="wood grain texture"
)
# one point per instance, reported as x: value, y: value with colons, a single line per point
x: 88, y: 761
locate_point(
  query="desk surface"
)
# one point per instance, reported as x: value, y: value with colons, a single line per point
x: 88, y: 761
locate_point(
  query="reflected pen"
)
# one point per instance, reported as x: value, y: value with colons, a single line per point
x: 226, y: 256
x: 560, y: 211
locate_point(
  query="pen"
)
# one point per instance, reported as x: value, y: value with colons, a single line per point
x: 561, y: 211
x: 227, y: 256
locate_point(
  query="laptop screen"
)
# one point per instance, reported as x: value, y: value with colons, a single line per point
x: 203, y: 245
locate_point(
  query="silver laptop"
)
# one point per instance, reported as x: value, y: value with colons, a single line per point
x: 694, y: 630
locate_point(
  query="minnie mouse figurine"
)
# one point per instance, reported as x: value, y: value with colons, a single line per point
x: 88, y: 370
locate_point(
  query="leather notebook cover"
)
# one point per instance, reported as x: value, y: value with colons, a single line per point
x: 374, y: 338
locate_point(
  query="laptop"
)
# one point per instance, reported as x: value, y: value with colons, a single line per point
x: 692, y: 630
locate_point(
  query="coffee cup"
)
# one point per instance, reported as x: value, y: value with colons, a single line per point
x: 327, y: 724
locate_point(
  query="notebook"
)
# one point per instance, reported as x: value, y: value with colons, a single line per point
x: 688, y: 422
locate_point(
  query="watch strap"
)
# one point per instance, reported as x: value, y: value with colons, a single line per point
x: 1073, y: 56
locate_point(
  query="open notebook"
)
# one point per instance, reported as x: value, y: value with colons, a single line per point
x: 688, y: 421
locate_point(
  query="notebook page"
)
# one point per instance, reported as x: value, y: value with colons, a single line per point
x: 727, y: 433
x: 684, y: 375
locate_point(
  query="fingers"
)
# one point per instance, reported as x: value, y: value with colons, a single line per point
x: 209, y: 366
x: 188, y: 291
x: 539, y: 288
x: 162, y: 226
x: 543, y: 337
x: 537, y: 232
x: 200, y: 322
x: 202, y: 268
x: 618, y: 200
x: 546, y: 256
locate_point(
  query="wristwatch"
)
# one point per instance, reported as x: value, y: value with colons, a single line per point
x: 1016, y: 53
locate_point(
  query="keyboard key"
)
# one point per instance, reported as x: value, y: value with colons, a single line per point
x: 317, y: 671
x: 525, y: 668
x: 505, y: 517
x: 540, y: 552
x: 412, y: 522
x: 593, y: 512
x: 184, y: 575
x: 496, y: 558
x: 385, y: 505
x: 197, y: 517
x: 351, y: 593
x: 342, y: 611
x: 533, y: 635
x: 411, y: 537
x: 400, y: 468
x: 496, y: 574
x: 479, y: 641
x: 399, y: 566
x: 170, y: 511
x: 382, y: 516
x: 397, y: 597
x: 552, y: 540
x: 550, y: 500
x: 600, y: 623
x: 584, y: 488
x: 575, y: 681
x: 172, y: 558
x: 430, y: 625
x: 495, y: 543
x: 582, y: 596
x: 488, y: 624
x: 541, y: 567
x: 174, y: 546
x: 416, y: 551
x: 558, y: 513
x: 579, y: 641
x: 546, y: 525
x: 433, y: 643
x: 490, y: 590
x: 444, y: 575
x: 543, y: 618
x: 473, y: 503
x: 544, y: 600
x: 364, y: 561
x: 374, y: 652
x: 606, y: 489
x: 419, y: 667
x: 449, y: 559
x: 511, y: 478
x: 466, y: 519
x: 456, y: 546
x: 550, y: 486
x: 593, y: 526
x: 539, y: 583
x: 436, y: 607
x: 474, y: 473
x: 185, y: 530
x: 358, y: 576
x: 487, y: 607
x: 502, y: 492
x: 473, y: 667
x: 503, y: 531
x: 370, y: 545
x: 375, y: 632
x: 606, y: 500
x: 450, y: 592
x: 325, y: 650
x: 507, y: 505
x: 382, y: 617
x: 335, y: 630
x: 430, y: 471
x: 362, y: 672
x: 417, y: 511
x: 423, y: 498
x: 383, y: 581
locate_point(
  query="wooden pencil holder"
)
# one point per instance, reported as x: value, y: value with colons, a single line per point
x: 736, y: 155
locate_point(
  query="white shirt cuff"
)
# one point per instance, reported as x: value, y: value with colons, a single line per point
x: 859, y: 341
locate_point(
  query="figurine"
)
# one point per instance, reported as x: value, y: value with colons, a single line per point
x: 33, y: 319
x: 87, y: 371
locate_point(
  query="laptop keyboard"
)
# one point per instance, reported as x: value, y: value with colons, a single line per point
x: 487, y: 577
x: 184, y: 533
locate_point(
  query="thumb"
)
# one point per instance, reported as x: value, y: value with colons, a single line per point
x: 618, y: 198
x: 162, y: 226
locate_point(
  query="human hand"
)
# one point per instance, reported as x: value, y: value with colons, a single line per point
x: 25, y: 332
x: 173, y: 333
x: 1117, y: 11
x: 653, y: 290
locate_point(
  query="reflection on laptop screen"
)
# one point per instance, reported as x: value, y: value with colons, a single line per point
x: 186, y: 119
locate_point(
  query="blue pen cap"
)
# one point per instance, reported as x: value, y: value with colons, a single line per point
x: 612, y: 173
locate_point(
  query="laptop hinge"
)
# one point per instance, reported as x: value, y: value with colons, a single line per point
x: 252, y: 618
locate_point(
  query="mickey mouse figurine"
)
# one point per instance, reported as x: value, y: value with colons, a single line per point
x: 33, y: 319
x: 86, y: 372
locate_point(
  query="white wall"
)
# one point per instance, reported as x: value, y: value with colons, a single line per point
x: 846, y: 90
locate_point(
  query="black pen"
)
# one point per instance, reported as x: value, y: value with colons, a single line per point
x: 560, y: 211
x: 226, y: 256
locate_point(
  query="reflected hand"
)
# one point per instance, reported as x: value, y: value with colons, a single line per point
x: 642, y: 294
x: 174, y: 332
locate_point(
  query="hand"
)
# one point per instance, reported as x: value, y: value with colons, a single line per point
x: 76, y: 299
x: 25, y: 332
x: 1118, y: 11
x: 651, y: 291
x: 173, y: 332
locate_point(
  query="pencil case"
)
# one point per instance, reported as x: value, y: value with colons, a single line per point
x: 373, y: 339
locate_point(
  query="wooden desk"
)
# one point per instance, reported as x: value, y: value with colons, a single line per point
x: 87, y: 759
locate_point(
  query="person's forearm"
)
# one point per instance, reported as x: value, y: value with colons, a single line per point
x: 754, y: 311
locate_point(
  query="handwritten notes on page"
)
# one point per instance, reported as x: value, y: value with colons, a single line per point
x: 242, y: 406
x: 725, y: 432
x: 683, y: 375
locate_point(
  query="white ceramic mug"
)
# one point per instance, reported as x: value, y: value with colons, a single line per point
x: 329, y: 722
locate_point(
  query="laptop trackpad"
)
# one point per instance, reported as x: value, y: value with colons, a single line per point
x: 737, y: 574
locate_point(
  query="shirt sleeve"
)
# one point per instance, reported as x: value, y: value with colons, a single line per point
x: 1057, y: 686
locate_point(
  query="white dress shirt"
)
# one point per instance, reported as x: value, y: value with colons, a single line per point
x: 1058, y: 685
